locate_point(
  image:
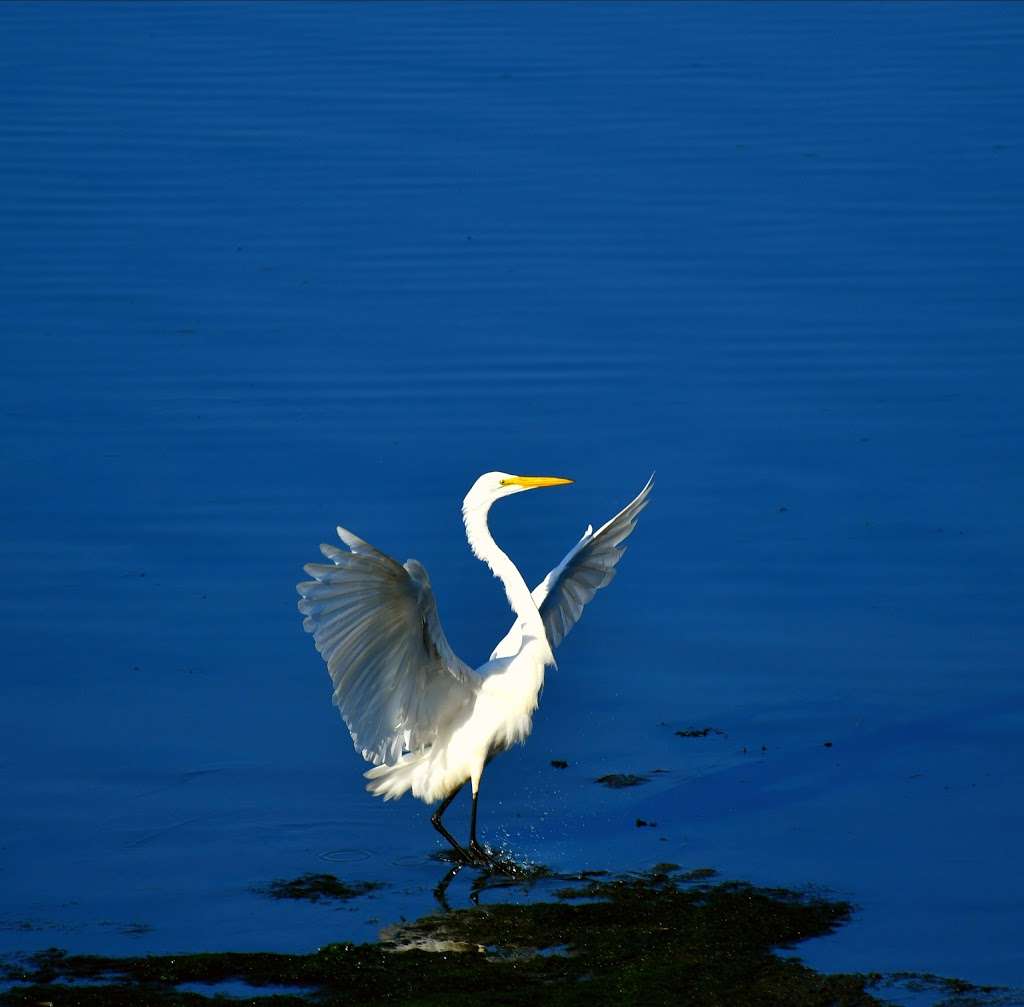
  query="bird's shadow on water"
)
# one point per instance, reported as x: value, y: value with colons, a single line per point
x: 664, y: 936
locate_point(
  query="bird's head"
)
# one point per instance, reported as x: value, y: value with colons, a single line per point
x: 493, y: 486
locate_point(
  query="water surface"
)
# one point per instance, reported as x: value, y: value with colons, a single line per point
x: 273, y: 267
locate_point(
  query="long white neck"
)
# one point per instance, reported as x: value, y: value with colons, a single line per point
x: 519, y: 597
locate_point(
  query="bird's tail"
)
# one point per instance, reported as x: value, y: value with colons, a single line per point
x: 391, y: 782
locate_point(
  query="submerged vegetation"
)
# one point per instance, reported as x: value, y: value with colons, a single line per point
x: 663, y: 937
x: 618, y: 781
x: 700, y: 732
x: 319, y: 887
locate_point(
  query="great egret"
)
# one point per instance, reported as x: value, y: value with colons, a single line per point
x: 426, y: 720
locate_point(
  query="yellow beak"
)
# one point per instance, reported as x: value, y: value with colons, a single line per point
x: 534, y: 482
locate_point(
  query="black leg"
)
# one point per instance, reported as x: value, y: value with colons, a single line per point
x: 474, y: 845
x: 435, y: 820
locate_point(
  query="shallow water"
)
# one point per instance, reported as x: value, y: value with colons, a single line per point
x: 272, y: 270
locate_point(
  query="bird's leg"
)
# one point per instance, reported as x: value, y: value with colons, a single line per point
x: 435, y: 820
x: 474, y: 846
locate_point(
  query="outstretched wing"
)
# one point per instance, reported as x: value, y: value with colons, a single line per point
x: 586, y: 568
x: 397, y: 682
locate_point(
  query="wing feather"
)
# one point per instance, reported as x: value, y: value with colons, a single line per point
x: 588, y: 566
x: 397, y: 681
x: 585, y: 569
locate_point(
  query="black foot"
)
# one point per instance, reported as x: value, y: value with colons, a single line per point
x: 466, y: 856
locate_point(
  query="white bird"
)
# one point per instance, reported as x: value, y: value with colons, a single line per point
x: 426, y: 720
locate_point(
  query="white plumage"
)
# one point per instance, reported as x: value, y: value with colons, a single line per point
x: 426, y: 719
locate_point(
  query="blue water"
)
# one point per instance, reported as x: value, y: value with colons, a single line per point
x: 272, y: 267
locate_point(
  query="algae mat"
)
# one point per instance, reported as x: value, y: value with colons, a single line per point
x: 665, y: 936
